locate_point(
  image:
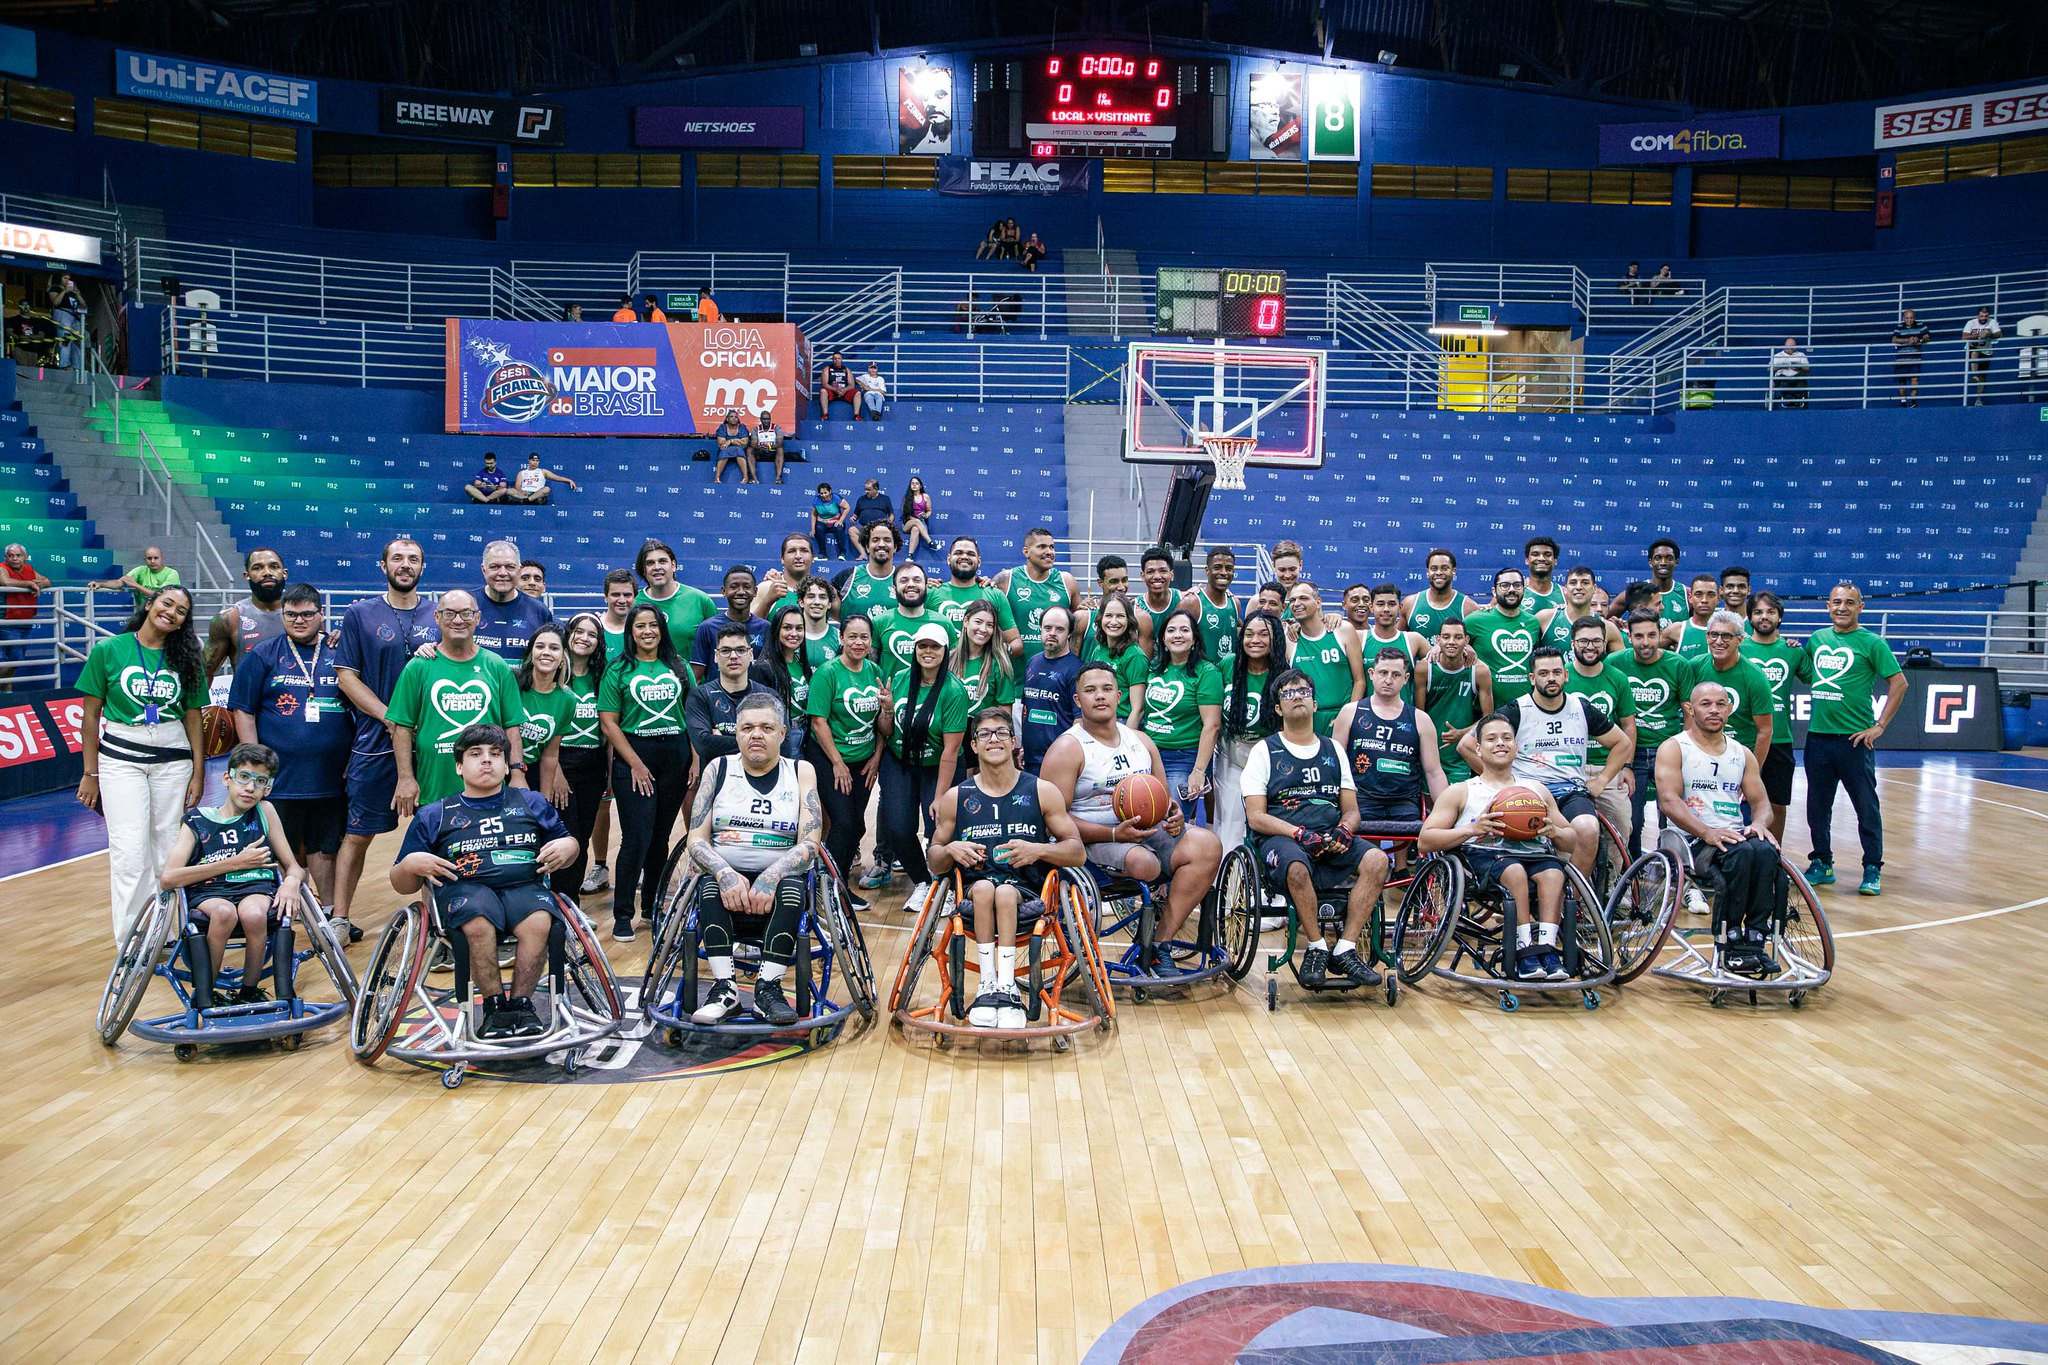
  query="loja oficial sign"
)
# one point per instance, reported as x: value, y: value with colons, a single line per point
x: 621, y: 378
x: 1954, y: 118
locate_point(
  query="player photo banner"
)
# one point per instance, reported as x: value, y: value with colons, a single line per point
x: 1275, y: 116
x: 621, y: 378
x: 924, y: 111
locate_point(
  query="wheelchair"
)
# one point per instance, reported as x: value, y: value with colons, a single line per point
x: 1331, y: 905
x: 1801, y: 944
x: 167, y: 940
x: 1125, y: 914
x: 398, y: 1013
x: 1061, y: 972
x: 832, y: 976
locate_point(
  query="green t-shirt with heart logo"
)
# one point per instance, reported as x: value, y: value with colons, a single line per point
x: 1129, y: 664
x: 548, y: 718
x: 950, y: 602
x: 127, y: 678
x: 1660, y: 690
x: 1782, y: 664
x: 647, y: 696
x: 848, y: 701
x: 1749, y: 696
x: 1174, y: 698
x: 438, y: 699
x: 1504, y: 644
x: 1606, y: 689
x: 894, y: 633
x: 948, y: 717
x: 1846, y: 669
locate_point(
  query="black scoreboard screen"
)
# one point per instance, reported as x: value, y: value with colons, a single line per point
x: 1072, y: 102
x: 1221, y: 303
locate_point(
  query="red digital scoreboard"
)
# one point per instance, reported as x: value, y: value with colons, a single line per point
x: 1101, y: 104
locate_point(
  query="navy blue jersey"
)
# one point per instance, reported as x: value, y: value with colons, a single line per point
x: 1385, y: 755
x: 492, y: 840
x: 295, y: 696
x: 707, y: 639
x: 376, y: 641
x: 1048, y: 695
x: 1304, y: 791
x: 504, y: 627
x: 710, y: 714
x: 987, y: 820
x: 218, y: 835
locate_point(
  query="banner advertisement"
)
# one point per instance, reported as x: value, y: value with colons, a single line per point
x: 1333, y: 115
x: 1276, y: 116
x: 39, y: 746
x: 697, y: 125
x: 18, y: 239
x: 1944, y: 708
x: 1748, y: 138
x: 1953, y: 118
x: 621, y: 378
x: 472, y: 118
x: 924, y: 110
x: 204, y: 85
x: 974, y: 176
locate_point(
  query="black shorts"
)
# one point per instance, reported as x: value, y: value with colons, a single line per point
x: 1575, y: 803
x: 1777, y: 774
x: 1390, y: 808
x: 1278, y: 854
x: 506, y: 907
x: 313, y: 824
x: 234, y: 895
x: 1483, y: 866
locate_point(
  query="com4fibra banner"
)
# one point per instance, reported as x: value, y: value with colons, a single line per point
x: 1749, y: 138
x: 622, y: 378
x: 975, y: 176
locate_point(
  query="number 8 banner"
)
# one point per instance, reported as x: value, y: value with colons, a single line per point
x: 1333, y: 98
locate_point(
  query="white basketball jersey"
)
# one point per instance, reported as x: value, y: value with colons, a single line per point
x: 1550, y: 746
x: 749, y: 827
x: 1102, y: 767
x: 1479, y: 794
x: 1713, y: 782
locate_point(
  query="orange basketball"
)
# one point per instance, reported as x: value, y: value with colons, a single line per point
x: 1521, y: 810
x: 217, y: 730
x: 1142, y: 797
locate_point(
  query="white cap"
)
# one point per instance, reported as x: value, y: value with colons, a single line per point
x: 931, y: 630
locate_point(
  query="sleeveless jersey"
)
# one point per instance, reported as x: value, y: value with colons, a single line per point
x: 1713, y: 782
x: 988, y: 820
x: 1551, y: 745
x: 1425, y: 619
x: 1324, y: 660
x: 1533, y: 600
x: 491, y: 840
x: 1218, y: 628
x: 1692, y: 641
x: 1385, y: 755
x: 866, y: 595
x: 1369, y: 647
x: 217, y: 836
x: 257, y: 625
x: 1558, y: 634
x: 1102, y: 767
x: 1158, y: 618
x: 1453, y: 703
x: 1028, y: 601
x: 753, y: 820
x: 1479, y: 794
x: 1304, y: 791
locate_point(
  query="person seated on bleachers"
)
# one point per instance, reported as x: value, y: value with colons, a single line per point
x: 1031, y: 253
x: 917, y: 510
x: 767, y: 443
x: 489, y: 485
x: 992, y: 244
x: 871, y: 508
x: 735, y: 445
x: 1663, y: 285
x: 874, y: 391
x: 1006, y: 248
x: 531, y: 483
x: 1633, y: 283
x: 830, y: 516
x: 1788, y: 376
x: 835, y: 385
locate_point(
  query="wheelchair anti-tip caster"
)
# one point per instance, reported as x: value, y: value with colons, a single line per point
x: 1796, y: 999
x: 1717, y: 998
x: 1062, y: 1044
x: 451, y: 1079
x: 291, y: 1042
x: 1140, y: 996
x: 1592, y: 999
x: 184, y: 1052
x: 1509, y: 1003
x: 673, y: 1037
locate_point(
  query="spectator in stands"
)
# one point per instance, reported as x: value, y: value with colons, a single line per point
x: 874, y: 391
x: 67, y: 312
x: 1632, y: 282
x: 991, y: 245
x: 531, y: 483
x: 739, y: 589
x: 1909, y: 337
x: 768, y: 443
x: 735, y: 446
x: 1662, y: 283
x: 830, y: 516
x: 533, y: 580
x: 1009, y: 246
x: 707, y: 307
x: 143, y: 580
x: 626, y: 312
x: 1979, y: 335
x: 1031, y: 253
x: 917, y: 517
x: 19, y: 585
x: 489, y: 485
x: 835, y: 385
x: 573, y: 313
x: 651, y: 311
x: 871, y: 508
x: 1788, y: 376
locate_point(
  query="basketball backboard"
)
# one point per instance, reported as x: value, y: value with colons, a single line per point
x: 1175, y: 393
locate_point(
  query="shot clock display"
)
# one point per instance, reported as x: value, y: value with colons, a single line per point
x: 1221, y: 303
x: 1102, y: 100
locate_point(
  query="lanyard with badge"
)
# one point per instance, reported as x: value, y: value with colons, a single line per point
x: 310, y: 673
x: 151, y: 713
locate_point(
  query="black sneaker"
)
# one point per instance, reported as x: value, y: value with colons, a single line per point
x: 771, y: 1004
x: 1355, y: 968
x: 525, y: 1018
x: 250, y: 995
x: 498, y: 1019
x: 1315, y: 967
x: 721, y: 1004
x: 622, y: 929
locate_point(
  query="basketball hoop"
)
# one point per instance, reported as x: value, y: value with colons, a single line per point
x: 1228, y: 454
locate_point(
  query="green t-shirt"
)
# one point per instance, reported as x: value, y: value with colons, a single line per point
x: 1425, y: 620
x: 1504, y: 644
x: 948, y: 717
x: 686, y: 609
x: 438, y: 699
x: 1028, y: 600
x: 1218, y: 627
x: 1660, y: 690
x: 1845, y: 670
x: 127, y: 678
x: 1749, y: 695
x: 1329, y: 668
x: 1248, y: 725
x: 151, y: 580
x: 1174, y: 698
x: 894, y: 632
x: 986, y: 684
x: 548, y: 718
x: 849, y: 700
x: 1130, y: 665
x: 865, y: 595
x: 950, y: 603
x: 646, y: 696
x: 1781, y: 664
x: 1608, y: 690
x: 582, y: 729
x: 1453, y: 703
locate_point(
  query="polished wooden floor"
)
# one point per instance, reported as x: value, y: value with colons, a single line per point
x: 1883, y: 1148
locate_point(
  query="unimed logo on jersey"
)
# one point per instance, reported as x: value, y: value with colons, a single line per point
x: 22, y: 739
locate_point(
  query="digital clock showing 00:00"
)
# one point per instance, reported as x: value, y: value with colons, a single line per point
x: 1221, y: 303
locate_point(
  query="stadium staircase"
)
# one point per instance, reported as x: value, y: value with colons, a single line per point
x: 39, y: 504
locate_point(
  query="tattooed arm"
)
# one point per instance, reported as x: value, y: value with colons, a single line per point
x: 705, y: 857
x: 810, y: 831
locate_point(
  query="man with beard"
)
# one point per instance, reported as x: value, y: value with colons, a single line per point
x: 965, y: 585
x: 1504, y: 638
x: 894, y: 629
x: 1047, y: 696
x: 378, y: 636
x: 1592, y: 677
x: 1558, y: 622
x: 739, y: 602
x: 869, y: 587
x: 254, y: 619
x: 1661, y: 681
x: 508, y: 617
x: 683, y: 607
x: 1426, y: 611
x: 1036, y: 585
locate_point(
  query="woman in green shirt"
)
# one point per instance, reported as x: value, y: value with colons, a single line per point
x: 584, y: 762
x: 785, y: 669
x: 929, y: 718
x: 1248, y: 717
x: 1184, y: 707
x: 981, y: 662
x: 848, y: 708
x: 143, y: 693
x: 640, y: 709
x: 1114, y: 641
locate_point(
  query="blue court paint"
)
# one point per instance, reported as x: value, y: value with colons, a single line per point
x: 42, y: 831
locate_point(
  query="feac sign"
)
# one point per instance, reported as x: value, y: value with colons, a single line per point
x: 1015, y: 172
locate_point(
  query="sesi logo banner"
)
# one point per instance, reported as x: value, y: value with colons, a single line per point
x: 621, y: 379
x: 1951, y: 118
x: 975, y: 176
x: 472, y: 118
x: 39, y: 745
x: 236, y: 89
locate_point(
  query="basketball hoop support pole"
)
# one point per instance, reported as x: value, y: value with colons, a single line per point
x: 1180, y: 521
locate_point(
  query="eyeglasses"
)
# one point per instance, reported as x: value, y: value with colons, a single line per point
x: 448, y: 615
x: 260, y: 781
x: 312, y: 615
x: 734, y: 651
x: 1722, y: 635
x: 986, y: 735
x: 1297, y: 694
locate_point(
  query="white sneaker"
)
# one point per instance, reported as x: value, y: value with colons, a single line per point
x: 720, y: 1005
x: 597, y: 879
x: 1272, y: 924
x: 1010, y: 1012
x: 913, y: 900
x: 986, y: 1009
x: 1696, y: 902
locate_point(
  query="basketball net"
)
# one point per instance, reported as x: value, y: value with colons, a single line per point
x: 1228, y: 454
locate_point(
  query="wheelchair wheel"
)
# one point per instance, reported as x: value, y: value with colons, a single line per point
x: 1428, y: 914
x: 849, y: 948
x: 1077, y: 910
x: 664, y: 959
x: 396, y: 965
x: 1237, y: 906
x: 333, y: 952
x: 1639, y: 909
x: 937, y: 906
x: 1610, y: 862
x: 589, y: 975
x: 1595, y: 938
x: 1090, y: 907
x: 676, y: 882
x: 134, y: 965
x: 1806, y: 933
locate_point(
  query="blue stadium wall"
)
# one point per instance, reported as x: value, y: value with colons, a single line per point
x: 849, y: 104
